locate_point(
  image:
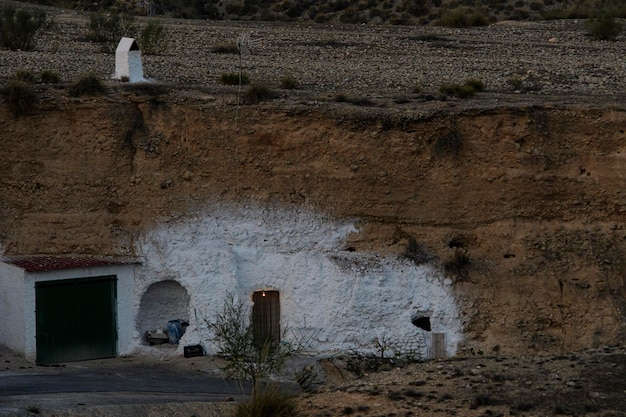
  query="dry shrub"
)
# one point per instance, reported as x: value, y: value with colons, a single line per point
x: 20, y: 97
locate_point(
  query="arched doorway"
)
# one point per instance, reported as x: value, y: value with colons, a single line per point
x: 163, y: 301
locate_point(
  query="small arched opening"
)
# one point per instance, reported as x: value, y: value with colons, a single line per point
x: 162, y: 302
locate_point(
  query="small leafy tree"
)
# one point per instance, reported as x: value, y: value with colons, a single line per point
x: 248, y: 359
x: 19, y: 27
x: 154, y: 38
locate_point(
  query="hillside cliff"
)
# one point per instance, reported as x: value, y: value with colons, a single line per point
x: 532, y: 196
x: 516, y: 195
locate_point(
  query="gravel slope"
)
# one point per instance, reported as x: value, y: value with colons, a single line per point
x: 552, y: 60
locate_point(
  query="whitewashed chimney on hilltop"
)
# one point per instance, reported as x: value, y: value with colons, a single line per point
x: 128, y: 61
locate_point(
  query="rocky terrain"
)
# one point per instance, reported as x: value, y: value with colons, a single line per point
x: 519, y: 62
x: 587, y: 383
x: 517, y: 192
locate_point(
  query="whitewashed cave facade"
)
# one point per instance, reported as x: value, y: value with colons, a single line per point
x: 330, y: 299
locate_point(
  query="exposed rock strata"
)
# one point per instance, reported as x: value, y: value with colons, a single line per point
x: 529, y: 185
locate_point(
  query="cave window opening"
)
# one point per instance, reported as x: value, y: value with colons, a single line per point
x: 163, y: 301
x: 458, y: 242
x: 423, y: 322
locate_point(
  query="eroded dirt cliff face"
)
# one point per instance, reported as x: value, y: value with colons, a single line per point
x: 532, y: 197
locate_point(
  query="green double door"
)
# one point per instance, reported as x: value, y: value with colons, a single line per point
x: 76, y: 319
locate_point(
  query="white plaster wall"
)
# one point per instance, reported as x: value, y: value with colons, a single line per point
x: 125, y: 304
x: 135, y: 66
x: 339, y: 300
x: 12, y: 324
x: 128, y: 64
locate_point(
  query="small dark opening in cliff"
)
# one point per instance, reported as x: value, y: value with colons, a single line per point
x: 422, y: 322
x: 458, y: 242
x: 509, y: 255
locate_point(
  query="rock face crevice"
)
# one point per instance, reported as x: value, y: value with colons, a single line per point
x: 535, y: 193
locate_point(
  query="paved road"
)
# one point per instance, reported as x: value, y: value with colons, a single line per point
x: 111, y: 386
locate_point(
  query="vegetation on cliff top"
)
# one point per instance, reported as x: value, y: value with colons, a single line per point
x: 357, y: 11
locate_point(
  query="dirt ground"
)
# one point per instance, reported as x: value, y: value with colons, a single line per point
x: 534, y: 193
x: 589, y: 383
x: 527, y: 184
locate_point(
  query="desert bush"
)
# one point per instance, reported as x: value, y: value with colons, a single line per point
x: 225, y: 48
x: 382, y: 14
x: 459, y: 264
x: 483, y: 400
x: 234, y: 78
x: 395, y: 395
x: 25, y: 75
x: 462, y: 18
x: 357, y: 101
x: 270, y: 401
x: 323, y: 18
x: 257, y: 92
x: 414, y: 8
x: 603, y: 26
x: 33, y: 409
x: 50, y: 77
x: 536, y: 5
x: 18, y: 28
x: 449, y: 145
x: 584, y: 9
x: 516, y: 82
x: 525, y: 82
x: 457, y: 90
x: 466, y: 90
x: 475, y: 83
x: 154, y: 38
x: 352, y: 16
x: 288, y: 83
x: 20, y: 97
x: 109, y: 29
x: 88, y: 85
x: 416, y: 252
x: 360, y: 364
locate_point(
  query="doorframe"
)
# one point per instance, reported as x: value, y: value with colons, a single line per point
x: 265, y: 317
x: 108, y: 278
